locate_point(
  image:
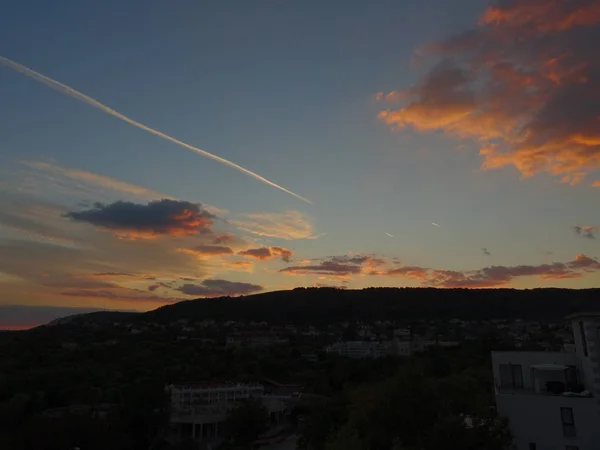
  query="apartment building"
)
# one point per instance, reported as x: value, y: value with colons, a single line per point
x: 552, y: 399
x: 198, y: 409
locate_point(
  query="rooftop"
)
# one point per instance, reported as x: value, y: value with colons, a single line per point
x: 215, y: 385
x: 582, y: 314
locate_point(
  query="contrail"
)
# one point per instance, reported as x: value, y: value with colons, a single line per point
x: 56, y: 85
x: 435, y: 224
x: 390, y: 235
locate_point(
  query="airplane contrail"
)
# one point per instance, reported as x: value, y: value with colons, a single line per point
x: 58, y: 86
x: 390, y: 235
x: 435, y: 224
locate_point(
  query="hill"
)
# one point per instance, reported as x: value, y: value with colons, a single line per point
x: 317, y: 305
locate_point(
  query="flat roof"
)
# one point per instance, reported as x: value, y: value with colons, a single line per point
x: 583, y: 314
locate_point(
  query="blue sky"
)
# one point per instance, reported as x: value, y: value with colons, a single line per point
x: 288, y: 90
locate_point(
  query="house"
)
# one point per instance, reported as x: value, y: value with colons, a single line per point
x: 552, y: 399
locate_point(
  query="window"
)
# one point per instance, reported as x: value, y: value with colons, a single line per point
x: 568, y: 422
x: 511, y: 376
x: 532, y: 446
x: 583, y: 341
x: 571, y: 375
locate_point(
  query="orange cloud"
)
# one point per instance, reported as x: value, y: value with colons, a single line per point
x: 242, y: 264
x: 266, y: 253
x: 525, y: 86
x: 544, y: 15
x: 288, y: 225
x: 208, y: 250
x: 497, y: 276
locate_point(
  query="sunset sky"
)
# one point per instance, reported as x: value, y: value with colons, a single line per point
x: 353, y: 144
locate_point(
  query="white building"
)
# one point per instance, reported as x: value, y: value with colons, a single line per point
x: 255, y: 340
x: 380, y: 349
x: 363, y: 349
x: 198, y: 409
x: 552, y: 399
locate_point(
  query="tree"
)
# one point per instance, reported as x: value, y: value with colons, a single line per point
x: 414, y: 410
x: 246, y: 422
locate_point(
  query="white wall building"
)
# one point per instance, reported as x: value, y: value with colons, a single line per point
x: 362, y: 349
x: 380, y: 349
x: 551, y: 399
x: 198, y: 409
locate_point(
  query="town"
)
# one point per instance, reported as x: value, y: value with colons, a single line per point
x: 215, y: 375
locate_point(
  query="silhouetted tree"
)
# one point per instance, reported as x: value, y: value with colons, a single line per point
x: 246, y: 422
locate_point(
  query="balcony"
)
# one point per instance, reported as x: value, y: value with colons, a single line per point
x: 542, y: 379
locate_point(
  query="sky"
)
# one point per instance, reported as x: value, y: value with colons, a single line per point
x: 152, y: 152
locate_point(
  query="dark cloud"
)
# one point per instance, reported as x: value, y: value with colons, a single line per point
x: 524, y: 85
x: 338, y: 266
x: 266, y: 253
x: 216, y: 288
x: 157, y: 218
x: 486, y: 252
x: 16, y: 317
x: 585, y: 231
x: 119, y: 293
x: 224, y: 238
x: 111, y: 275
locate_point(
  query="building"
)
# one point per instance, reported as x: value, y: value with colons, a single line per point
x: 552, y: 399
x: 255, y: 340
x: 363, y: 349
x: 381, y: 349
x: 198, y: 409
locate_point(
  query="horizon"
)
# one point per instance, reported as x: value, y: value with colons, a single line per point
x: 240, y: 149
x: 53, y: 314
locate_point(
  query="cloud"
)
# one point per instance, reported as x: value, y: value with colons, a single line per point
x: 497, y: 276
x: 51, y: 171
x: 208, y: 250
x: 119, y: 294
x: 337, y: 266
x: 110, y: 275
x: 71, y: 92
x: 266, y: 253
x: 414, y: 272
x: 86, y: 289
x: 242, y: 264
x: 161, y: 217
x: 288, y: 225
x: 217, y: 288
x: 486, y: 252
x: 36, y: 221
x: 585, y: 231
x: 22, y: 317
x: 524, y: 86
